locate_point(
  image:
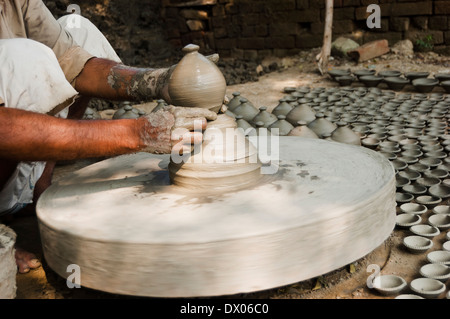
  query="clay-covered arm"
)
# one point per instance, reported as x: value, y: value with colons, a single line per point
x: 110, y: 80
x: 107, y: 79
x: 29, y: 136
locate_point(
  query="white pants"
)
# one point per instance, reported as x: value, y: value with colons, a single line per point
x: 31, y: 79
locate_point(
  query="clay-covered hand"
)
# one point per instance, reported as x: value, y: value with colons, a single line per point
x: 175, y: 129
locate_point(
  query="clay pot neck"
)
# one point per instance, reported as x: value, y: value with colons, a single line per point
x: 190, y: 48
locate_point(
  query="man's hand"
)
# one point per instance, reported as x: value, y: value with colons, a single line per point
x: 175, y: 129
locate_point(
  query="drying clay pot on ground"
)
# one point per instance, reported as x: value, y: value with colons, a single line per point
x: 436, y: 271
x: 8, y: 267
x: 235, y: 101
x: 321, y: 125
x: 446, y: 86
x: 389, y: 73
x: 246, y: 110
x: 370, y: 80
x: 283, y: 108
x: 389, y: 284
x: 363, y: 72
x: 396, y: 83
x: 403, y: 198
x: 301, y: 112
x: 302, y: 130
x: 243, y: 124
x: 337, y: 73
x: 265, y: 117
x: 343, y: 134
x: 425, y: 85
x: 442, y: 77
x: 417, y: 244
x: 427, y: 287
x: 127, y: 112
x: 281, y: 127
x: 416, y: 75
x: 197, y: 82
x: 407, y: 220
x: 91, y: 114
x: 345, y: 80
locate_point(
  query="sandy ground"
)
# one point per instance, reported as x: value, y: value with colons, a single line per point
x: 349, y: 282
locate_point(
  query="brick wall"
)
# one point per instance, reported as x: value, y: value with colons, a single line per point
x: 257, y: 28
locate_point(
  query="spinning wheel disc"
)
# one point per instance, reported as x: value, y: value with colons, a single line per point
x: 132, y: 232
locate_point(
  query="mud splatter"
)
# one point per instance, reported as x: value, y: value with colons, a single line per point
x: 303, y: 173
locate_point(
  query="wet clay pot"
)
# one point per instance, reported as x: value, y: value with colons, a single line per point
x: 416, y: 75
x: 127, y: 112
x: 281, y: 127
x: 337, y: 72
x: 425, y: 85
x: 283, y: 108
x: 197, y: 82
x: 370, y: 80
x: 91, y: 114
x: 243, y: 124
x: 321, y: 126
x: 363, y: 72
x: 446, y: 86
x: 302, y: 130
x: 246, y: 110
x: 235, y: 101
x: 396, y: 83
x: 265, y: 117
x: 302, y: 112
x: 344, y: 134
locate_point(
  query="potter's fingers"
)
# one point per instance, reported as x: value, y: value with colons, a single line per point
x: 186, y: 144
x: 192, y: 124
x: 178, y: 134
x: 181, y: 149
x: 194, y: 112
x: 193, y: 138
x: 186, y: 136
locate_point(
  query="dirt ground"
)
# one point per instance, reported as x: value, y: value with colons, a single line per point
x: 346, y: 283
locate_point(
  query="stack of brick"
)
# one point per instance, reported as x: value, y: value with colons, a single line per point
x: 258, y: 28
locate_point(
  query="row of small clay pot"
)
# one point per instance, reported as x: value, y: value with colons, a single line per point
x: 402, y: 129
x: 348, y: 109
x: 127, y: 111
x: 368, y: 106
x: 289, y: 119
x: 393, y: 79
x: 410, y: 150
x: 423, y: 185
x: 381, y: 120
x: 420, y: 238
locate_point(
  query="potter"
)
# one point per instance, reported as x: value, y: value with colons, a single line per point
x: 46, y: 87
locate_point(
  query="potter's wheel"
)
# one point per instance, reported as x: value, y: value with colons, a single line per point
x: 132, y: 232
